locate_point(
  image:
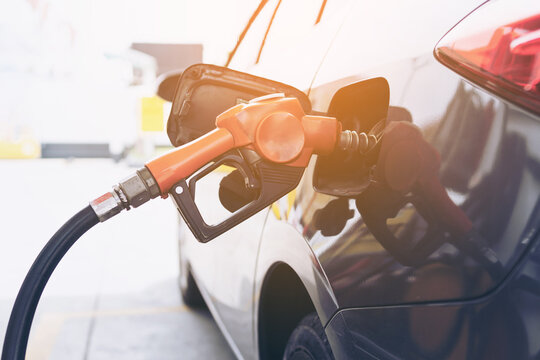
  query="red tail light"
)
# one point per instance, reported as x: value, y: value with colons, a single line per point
x: 503, y: 59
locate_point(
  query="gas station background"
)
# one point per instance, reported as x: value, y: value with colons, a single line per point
x: 78, y: 78
x: 78, y: 112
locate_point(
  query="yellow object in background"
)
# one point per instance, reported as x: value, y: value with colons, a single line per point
x: 23, y: 149
x: 152, y: 114
x: 282, y: 207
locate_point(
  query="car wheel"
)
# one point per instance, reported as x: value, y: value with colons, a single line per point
x: 308, y: 341
x: 188, y: 287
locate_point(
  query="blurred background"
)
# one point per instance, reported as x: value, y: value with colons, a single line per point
x: 78, y: 112
x: 77, y: 78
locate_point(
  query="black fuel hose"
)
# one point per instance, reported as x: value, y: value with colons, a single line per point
x: 20, y: 321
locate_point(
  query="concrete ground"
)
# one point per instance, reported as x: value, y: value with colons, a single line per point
x: 114, y: 296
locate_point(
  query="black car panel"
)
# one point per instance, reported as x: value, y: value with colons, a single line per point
x: 488, y: 154
x: 501, y: 325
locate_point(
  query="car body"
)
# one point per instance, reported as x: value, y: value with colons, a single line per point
x: 313, y: 252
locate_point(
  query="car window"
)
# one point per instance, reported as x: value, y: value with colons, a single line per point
x: 247, y: 51
x: 293, y: 22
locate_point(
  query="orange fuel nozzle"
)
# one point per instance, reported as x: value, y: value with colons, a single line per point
x: 274, y: 126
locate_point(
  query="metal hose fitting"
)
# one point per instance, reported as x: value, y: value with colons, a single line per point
x: 133, y: 191
x: 353, y: 141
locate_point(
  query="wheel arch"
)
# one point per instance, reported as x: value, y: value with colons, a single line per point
x: 289, y: 284
x: 284, y: 301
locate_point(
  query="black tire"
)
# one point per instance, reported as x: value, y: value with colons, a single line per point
x: 308, y: 341
x: 191, y: 296
x: 189, y: 290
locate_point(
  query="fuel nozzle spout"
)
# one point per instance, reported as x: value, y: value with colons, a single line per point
x: 273, y: 126
x: 129, y: 193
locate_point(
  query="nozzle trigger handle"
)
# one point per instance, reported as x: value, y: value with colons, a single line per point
x: 275, y: 181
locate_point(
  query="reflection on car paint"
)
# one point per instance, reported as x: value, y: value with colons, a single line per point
x: 484, y: 159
